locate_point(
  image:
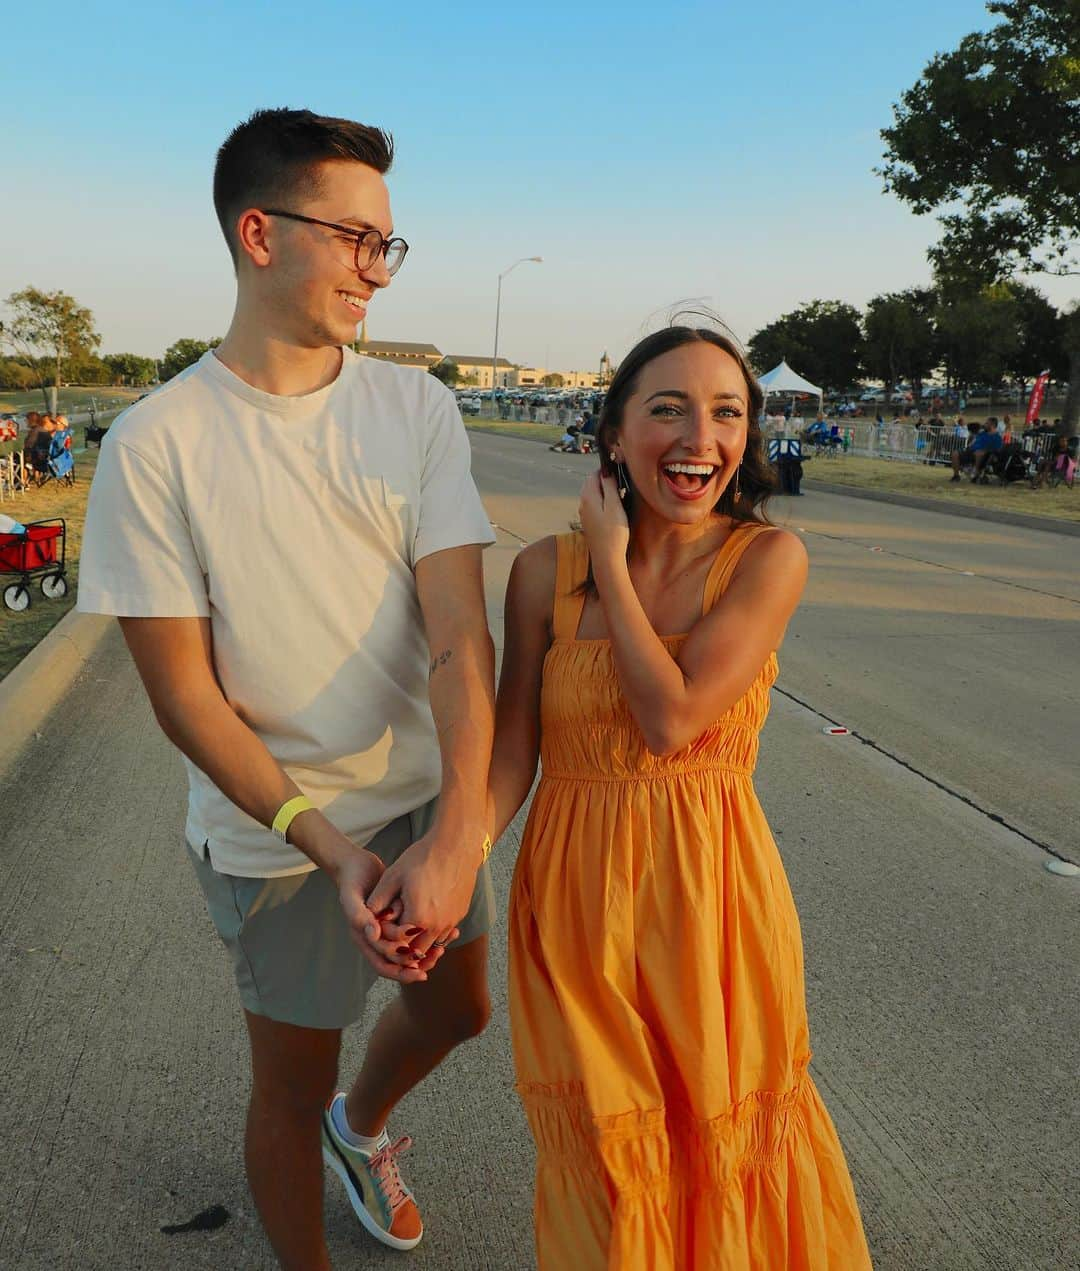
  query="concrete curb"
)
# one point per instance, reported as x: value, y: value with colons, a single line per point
x: 30, y: 691
x: 1050, y: 524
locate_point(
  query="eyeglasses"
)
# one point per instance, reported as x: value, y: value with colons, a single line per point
x: 369, y: 243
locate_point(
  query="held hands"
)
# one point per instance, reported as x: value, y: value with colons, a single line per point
x: 426, y: 893
x: 380, y: 934
x: 603, y: 518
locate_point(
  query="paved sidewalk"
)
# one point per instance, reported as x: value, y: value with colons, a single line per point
x: 123, y: 1051
x: 939, y: 960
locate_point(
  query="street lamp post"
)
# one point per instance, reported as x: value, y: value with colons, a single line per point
x: 498, y: 307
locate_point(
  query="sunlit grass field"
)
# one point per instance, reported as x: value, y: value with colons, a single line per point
x: 934, y: 483
x: 530, y: 432
x: 70, y: 399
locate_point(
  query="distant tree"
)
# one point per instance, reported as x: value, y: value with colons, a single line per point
x: 183, y: 353
x: 995, y: 125
x: 469, y: 381
x: 822, y: 341
x: 901, y: 339
x: 448, y: 372
x: 980, y: 333
x: 46, y: 329
x: 1041, y: 346
x: 16, y: 374
x: 88, y: 369
x: 131, y: 369
x: 553, y: 380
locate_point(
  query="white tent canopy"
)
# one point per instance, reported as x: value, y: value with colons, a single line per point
x: 782, y: 379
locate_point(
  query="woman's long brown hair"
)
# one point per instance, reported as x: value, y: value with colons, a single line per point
x: 756, y: 481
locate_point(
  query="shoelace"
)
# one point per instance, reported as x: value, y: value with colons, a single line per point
x: 384, y: 1170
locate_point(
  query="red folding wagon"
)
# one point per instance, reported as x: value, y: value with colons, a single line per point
x: 38, y: 551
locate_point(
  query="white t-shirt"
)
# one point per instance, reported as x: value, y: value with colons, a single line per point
x: 294, y: 524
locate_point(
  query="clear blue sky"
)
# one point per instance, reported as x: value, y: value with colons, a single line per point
x: 649, y: 154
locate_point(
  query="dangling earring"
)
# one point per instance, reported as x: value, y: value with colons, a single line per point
x: 738, y: 473
x: 620, y: 476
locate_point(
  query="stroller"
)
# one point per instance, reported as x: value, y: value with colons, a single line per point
x: 34, y: 550
x: 1011, y: 463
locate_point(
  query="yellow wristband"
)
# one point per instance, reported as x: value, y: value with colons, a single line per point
x: 288, y: 812
x: 486, y: 849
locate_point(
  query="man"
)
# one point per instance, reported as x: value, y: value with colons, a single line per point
x: 983, y: 445
x: 290, y: 536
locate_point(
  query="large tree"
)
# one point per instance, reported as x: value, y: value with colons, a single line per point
x: 47, y: 329
x: 901, y: 338
x: 994, y: 126
x: 183, y: 353
x: 821, y: 340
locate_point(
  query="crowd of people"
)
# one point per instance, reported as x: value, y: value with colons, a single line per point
x: 45, y: 451
x: 983, y: 450
x: 995, y: 449
x: 47, y: 438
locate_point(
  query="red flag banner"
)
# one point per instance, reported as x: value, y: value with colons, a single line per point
x: 1038, y: 392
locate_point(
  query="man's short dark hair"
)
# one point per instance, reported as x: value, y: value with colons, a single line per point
x: 272, y: 159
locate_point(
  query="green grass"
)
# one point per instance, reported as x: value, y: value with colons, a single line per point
x: 508, y: 427
x: 70, y: 399
x: 21, y: 632
x: 934, y: 483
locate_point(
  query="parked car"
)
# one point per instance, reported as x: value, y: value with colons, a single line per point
x: 469, y: 405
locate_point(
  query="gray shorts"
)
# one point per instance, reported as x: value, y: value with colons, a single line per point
x: 292, y: 953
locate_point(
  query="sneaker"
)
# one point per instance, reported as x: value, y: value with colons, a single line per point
x: 955, y: 478
x: 374, y: 1185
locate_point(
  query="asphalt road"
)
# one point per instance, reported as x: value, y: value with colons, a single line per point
x: 941, y: 954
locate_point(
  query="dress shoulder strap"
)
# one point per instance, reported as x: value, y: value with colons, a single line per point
x: 727, y: 558
x: 571, y: 570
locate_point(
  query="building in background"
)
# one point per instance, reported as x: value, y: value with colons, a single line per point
x: 542, y: 377
x: 475, y: 372
x: 401, y: 353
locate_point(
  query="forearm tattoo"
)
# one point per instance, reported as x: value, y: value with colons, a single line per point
x: 440, y: 659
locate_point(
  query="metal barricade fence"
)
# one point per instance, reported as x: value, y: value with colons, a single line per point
x: 904, y: 441
x: 7, y: 478
x: 531, y: 414
x: 898, y: 439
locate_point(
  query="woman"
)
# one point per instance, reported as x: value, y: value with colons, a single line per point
x: 657, y: 1001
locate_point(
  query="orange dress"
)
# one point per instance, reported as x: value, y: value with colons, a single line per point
x: 656, y: 990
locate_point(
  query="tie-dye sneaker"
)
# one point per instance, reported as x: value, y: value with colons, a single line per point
x: 374, y: 1185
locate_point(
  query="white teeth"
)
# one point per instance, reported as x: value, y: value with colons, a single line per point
x: 691, y: 469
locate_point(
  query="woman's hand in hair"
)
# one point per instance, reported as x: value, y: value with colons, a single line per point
x: 603, y: 519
